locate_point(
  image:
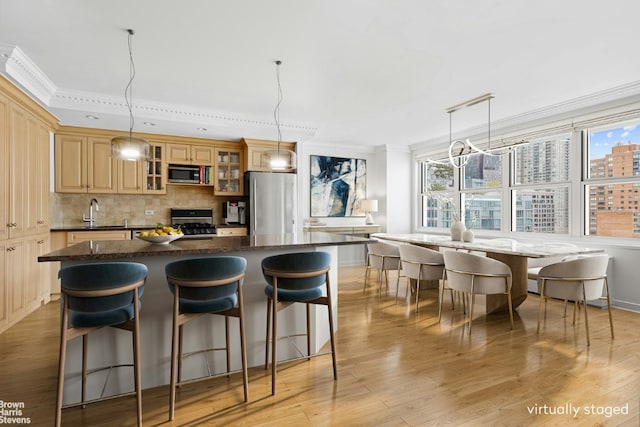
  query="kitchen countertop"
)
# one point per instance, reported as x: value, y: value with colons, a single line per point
x: 123, y: 249
x: 123, y: 227
x: 100, y: 227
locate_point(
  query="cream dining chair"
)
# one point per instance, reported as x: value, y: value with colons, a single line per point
x: 474, y: 274
x: 580, y: 280
x: 419, y: 264
x: 383, y: 257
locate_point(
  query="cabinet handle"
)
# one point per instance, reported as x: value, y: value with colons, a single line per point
x: 11, y: 249
x: 40, y: 242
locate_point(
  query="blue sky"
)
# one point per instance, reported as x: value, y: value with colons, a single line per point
x: 601, y: 142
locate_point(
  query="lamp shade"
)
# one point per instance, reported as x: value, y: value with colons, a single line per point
x: 369, y: 205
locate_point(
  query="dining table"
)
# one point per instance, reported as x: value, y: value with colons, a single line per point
x: 514, y: 253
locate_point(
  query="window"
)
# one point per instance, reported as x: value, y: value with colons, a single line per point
x: 481, y: 196
x: 540, y: 189
x: 613, y: 180
x: 536, y: 186
x: 437, y: 194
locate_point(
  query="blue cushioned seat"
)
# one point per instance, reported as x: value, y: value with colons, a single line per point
x: 296, y: 278
x: 202, y: 286
x: 93, y: 296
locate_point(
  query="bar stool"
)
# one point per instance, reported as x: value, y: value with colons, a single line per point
x: 205, y: 286
x: 97, y: 295
x: 291, y: 278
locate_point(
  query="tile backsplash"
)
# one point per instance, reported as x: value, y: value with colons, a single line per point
x: 67, y: 209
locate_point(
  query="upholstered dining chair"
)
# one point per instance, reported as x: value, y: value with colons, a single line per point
x: 475, y: 274
x: 580, y: 280
x: 419, y: 263
x: 202, y: 286
x: 301, y: 277
x: 93, y: 296
x: 383, y: 257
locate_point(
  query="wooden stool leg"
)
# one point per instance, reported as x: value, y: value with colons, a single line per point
x: 266, y: 343
x: 308, y: 331
x: 274, y: 342
x: 136, y: 358
x: 61, y: 362
x: 226, y: 338
x: 85, y: 345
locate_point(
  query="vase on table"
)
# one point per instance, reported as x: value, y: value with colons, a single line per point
x: 467, y: 235
x: 457, y: 228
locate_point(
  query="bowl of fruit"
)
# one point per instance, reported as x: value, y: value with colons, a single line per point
x: 162, y: 234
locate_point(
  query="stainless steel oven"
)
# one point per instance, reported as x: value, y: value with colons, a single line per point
x: 196, y: 223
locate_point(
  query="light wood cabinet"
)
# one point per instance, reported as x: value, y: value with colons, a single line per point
x: 190, y: 154
x: 254, y: 152
x: 36, y: 178
x: 4, y: 288
x: 231, y: 231
x: 155, y: 172
x: 37, y: 274
x: 74, y: 237
x: 228, y: 172
x: 24, y: 203
x: 15, y: 280
x: 84, y: 164
x: 4, y: 168
x: 18, y: 176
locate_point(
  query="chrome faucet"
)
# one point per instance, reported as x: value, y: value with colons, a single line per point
x: 91, y: 218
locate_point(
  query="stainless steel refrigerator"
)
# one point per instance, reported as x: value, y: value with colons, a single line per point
x: 271, y: 200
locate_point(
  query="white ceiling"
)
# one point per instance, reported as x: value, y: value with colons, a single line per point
x: 354, y: 72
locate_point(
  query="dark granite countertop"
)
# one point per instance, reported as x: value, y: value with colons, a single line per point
x: 100, y: 227
x: 123, y: 249
x: 124, y: 227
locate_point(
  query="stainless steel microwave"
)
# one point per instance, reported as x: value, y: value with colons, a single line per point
x: 185, y: 174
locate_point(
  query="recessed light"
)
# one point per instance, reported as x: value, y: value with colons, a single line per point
x: 90, y: 117
x: 202, y: 129
x: 149, y: 124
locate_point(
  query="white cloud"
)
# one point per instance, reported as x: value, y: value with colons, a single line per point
x: 630, y: 127
x: 624, y: 134
x: 609, y: 134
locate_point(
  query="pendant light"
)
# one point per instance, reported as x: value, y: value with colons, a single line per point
x: 460, y: 151
x: 280, y: 159
x: 129, y: 147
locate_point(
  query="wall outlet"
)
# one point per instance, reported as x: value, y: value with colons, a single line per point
x: 148, y: 212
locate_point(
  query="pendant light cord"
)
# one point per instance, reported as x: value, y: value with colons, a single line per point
x: 276, y: 111
x: 128, y: 91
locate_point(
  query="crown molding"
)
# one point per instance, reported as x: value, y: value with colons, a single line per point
x: 21, y: 70
x: 609, y: 98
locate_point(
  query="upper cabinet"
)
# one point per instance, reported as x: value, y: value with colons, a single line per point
x: 83, y: 164
x: 229, y: 172
x: 143, y: 176
x: 190, y: 154
x: 255, y: 148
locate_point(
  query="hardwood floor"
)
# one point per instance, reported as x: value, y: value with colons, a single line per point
x: 395, y: 368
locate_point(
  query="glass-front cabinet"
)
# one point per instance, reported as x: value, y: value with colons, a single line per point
x: 228, y: 172
x: 155, y: 172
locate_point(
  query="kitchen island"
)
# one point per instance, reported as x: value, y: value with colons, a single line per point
x: 111, y: 347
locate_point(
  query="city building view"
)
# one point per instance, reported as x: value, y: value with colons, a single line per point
x: 539, y: 187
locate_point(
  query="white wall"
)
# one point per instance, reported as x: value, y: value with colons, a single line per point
x: 386, y: 168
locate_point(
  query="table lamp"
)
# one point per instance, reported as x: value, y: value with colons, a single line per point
x: 369, y: 206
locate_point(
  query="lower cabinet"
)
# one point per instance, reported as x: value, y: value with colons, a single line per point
x: 231, y: 231
x: 74, y: 237
x: 24, y: 282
